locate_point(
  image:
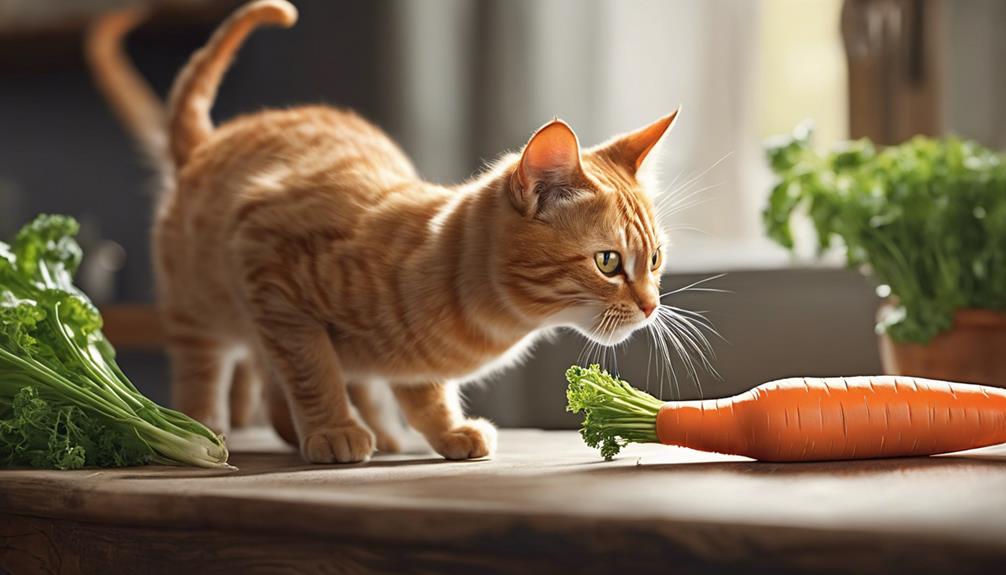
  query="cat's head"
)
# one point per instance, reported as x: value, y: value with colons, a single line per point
x: 585, y: 249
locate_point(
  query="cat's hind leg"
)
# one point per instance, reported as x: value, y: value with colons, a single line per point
x: 375, y: 415
x: 245, y: 392
x: 279, y: 414
x: 201, y: 367
x: 434, y: 410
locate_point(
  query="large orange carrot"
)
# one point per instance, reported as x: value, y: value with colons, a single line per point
x: 799, y: 419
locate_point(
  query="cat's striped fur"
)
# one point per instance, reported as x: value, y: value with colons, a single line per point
x: 304, y: 240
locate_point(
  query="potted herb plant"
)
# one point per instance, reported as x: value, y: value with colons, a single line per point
x: 926, y: 221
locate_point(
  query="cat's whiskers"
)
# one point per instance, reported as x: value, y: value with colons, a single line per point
x: 591, y: 344
x: 611, y: 348
x: 686, y: 228
x: 693, y: 336
x: 664, y: 362
x: 685, y: 203
x: 676, y: 335
x: 671, y: 192
x: 649, y: 357
x: 694, y: 287
x: 699, y: 318
x: 602, y: 341
x: 670, y: 343
x: 604, y: 337
x: 584, y: 350
x: 679, y: 332
x: 678, y: 198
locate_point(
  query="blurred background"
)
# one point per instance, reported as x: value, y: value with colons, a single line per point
x: 457, y: 82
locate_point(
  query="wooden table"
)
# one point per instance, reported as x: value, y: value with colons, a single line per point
x: 545, y: 504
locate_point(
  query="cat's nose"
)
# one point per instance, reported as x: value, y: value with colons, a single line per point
x: 647, y: 298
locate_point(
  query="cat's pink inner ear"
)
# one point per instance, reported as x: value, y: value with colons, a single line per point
x: 553, y: 151
x: 636, y: 146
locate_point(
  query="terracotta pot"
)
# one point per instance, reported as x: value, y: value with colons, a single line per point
x: 973, y: 351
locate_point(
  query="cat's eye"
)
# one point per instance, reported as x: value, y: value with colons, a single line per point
x: 655, y: 260
x: 609, y: 262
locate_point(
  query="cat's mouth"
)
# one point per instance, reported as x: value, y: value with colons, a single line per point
x: 601, y: 325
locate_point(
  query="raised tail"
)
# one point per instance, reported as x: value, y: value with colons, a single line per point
x: 195, y: 89
x: 130, y: 97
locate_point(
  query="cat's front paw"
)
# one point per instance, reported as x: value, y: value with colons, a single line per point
x: 473, y: 439
x: 345, y: 444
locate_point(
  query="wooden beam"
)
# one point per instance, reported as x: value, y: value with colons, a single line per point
x: 892, y: 50
x: 133, y: 327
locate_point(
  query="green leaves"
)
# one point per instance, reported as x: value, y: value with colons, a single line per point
x: 926, y: 219
x: 34, y: 433
x: 47, y: 244
x: 64, y: 403
x: 615, y: 413
x: 18, y: 321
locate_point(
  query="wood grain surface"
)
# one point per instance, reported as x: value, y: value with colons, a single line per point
x: 545, y: 504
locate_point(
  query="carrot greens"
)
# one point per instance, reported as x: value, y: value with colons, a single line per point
x: 64, y: 402
x: 615, y: 413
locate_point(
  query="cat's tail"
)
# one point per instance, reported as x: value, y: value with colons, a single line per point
x: 130, y: 97
x: 195, y: 89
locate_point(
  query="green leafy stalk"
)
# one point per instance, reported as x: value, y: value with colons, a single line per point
x: 615, y: 413
x: 925, y: 219
x: 64, y: 402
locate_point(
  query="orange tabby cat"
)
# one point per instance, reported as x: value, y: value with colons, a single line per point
x: 304, y: 239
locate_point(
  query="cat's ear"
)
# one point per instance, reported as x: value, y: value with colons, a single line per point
x: 630, y: 150
x: 549, y: 164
